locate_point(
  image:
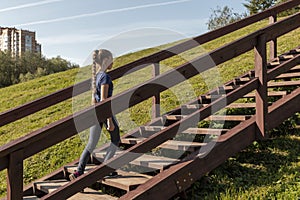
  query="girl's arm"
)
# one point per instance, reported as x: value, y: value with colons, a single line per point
x: 104, y: 94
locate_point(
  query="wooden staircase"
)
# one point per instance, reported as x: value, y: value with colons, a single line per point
x: 185, y: 146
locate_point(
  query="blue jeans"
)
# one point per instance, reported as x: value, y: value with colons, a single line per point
x: 94, y: 136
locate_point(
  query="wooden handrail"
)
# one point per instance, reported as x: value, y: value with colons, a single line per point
x: 64, y: 94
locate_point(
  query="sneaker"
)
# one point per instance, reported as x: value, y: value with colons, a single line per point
x: 74, y: 175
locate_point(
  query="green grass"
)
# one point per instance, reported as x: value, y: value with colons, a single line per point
x: 69, y: 150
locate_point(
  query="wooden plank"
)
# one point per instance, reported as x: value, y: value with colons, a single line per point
x: 241, y: 105
x: 174, y: 117
x: 170, y: 144
x: 90, y: 194
x: 156, y: 162
x: 49, y: 186
x: 205, y: 131
x: 270, y: 94
x: 283, y: 84
x: 126, y: 180
x: 228, y: 117
x: 73, y: 168
x: 285, y: 57
x: 289, y: 75
x: 145, y: 160
x: 31, y: 198
x: 181, y: 145
x: 132, y: 140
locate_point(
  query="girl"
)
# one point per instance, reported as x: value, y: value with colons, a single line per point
x: 102, y: 88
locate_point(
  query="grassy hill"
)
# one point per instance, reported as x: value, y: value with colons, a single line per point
x: 266, y: 169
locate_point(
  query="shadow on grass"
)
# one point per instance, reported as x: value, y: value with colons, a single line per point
x: 262, y: 165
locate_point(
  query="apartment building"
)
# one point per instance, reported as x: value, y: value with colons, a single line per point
x: 18, y: 41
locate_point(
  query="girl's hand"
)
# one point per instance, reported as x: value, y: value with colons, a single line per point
x: 110, y: 125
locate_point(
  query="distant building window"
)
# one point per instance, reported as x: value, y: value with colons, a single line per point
x: 28, y: 43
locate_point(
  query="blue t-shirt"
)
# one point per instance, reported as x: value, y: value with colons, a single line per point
x: 103, y: 78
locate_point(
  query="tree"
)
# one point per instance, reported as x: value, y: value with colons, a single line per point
x: 223, y: 16
x: 290, y: 11
x: 256, y: 6
x: 28, y: 66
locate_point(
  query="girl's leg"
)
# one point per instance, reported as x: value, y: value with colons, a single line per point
x: 94, y: 136
x: 115, y: 141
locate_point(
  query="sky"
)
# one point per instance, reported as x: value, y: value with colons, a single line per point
x: 72, y: 29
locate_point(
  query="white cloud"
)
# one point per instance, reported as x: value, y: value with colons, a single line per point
x: 164, y: 28
x: 28, y: 5
x: 101, y: 13
x: 71, y: 39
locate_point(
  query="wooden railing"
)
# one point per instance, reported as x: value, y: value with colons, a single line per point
x: 13, y: 153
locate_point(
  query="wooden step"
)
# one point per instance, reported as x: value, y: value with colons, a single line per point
x: 90, y: 194
x: 295, y: 51
x: 126, y: 180
x: 289, y: 75
x: 132, y: 140
x: 155, y: 162
x: 193, y: 107
x: 174, y: 117
x: 145, y: 160
x: 71, y: 169
x: 152, y: 128
x: 285, y: 57
x: 241, y: 105
x: 284, y: 84
x: 228, y: 117
x: 170, y: 144
x: 270, y: 94
x: 189, y: 109
x: 181, y: 145
x: 225, y: 88
x: 297, y: 67
x: 242, y: 80
x: 205, y: 131
x: 31, y: 198
x: 146, y: 131
x: 49, y: 186
x: 273, y: 63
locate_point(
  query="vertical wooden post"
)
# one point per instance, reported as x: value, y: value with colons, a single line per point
x: 273, y: 43
x: 261, y: 97
x: 156, y: 98
x: 15, y: 176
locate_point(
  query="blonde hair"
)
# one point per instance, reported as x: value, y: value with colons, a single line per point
x: 98, y: 58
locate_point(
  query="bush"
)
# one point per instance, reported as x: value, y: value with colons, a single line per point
x: 29, y: 66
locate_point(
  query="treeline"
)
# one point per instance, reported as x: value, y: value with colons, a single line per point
x: 222, y: 16
x: 29, y: 66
